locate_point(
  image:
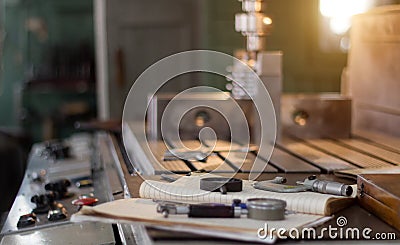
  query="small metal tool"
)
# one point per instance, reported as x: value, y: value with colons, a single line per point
x: 84, y: 183
x: 277, y: 185
x: 189, y: 155
x: 221, y: 184
x: 309, y: 184
x: 168, y: 178
x: 201, y: 210
x: 327, y: 187
x: 266, y: 209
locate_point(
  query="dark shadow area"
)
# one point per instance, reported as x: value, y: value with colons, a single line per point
x: 13, y: 157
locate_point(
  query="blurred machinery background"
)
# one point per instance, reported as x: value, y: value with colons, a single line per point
x: 64, y: 62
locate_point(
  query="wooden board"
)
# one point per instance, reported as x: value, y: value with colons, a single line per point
x: 177, y: 166
x: 244, y: 161
x: 214, y: 164
x: 380, y: 194
x: 223, y: 145
x: 324, y: 161
x: 342, y: 152
x: 190, y: 144
x: 377, y: 151
x: 382, y: 140
x: 291, y: 164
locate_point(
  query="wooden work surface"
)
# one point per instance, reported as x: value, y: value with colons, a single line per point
x: 355, y: 215
x: 291, y: 155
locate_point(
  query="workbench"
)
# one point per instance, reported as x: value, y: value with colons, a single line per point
x: 355, y: 215
x: 114, y: 177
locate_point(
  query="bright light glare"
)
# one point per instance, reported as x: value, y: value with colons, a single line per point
x: 341, y: 8
x: 340, y: 12
x: 340, y: 25
x: 267, y: 20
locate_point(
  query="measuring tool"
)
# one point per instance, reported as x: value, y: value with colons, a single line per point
x: 266, y: 209
x: 256, y: 208
x: 211, y: 210
x: 221, y: 184
x: 309, y: 184
x: 327, y: 187
x: 277, y: 185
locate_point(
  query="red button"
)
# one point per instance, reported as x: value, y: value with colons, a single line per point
x: 85, y: 201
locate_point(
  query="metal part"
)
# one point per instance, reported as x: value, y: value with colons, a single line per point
x: 57, y: 214
x: 116, y: 160
x: 167, y: 208
x: 137, y: 232
x: 44, y: 230
x: 113, y: 159
x: 309, y: 184
x: 59, y: 188
x: 266, y: 209
x: 277, y: 185
x: 189, y: 155
x: 84, y: 183
x: 189, y: 123
x: 73, y: 233
x: 55, y: 150
x: 253, y: 24
x: 210, y: 210
x: 327, y: 187
x: 221, y: 184
x: 203, y: 153
x: 316, y: 115
x: 168, y: 178
x: 278, y: 180
x: 265, y: 186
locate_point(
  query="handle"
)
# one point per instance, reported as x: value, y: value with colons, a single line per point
x: 120, y: 68
x: 203, y: 211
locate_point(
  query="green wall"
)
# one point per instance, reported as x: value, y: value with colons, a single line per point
x: 67, y: 23
x: 12, y: 66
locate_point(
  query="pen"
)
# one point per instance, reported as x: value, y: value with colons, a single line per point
x: 203, y: 210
